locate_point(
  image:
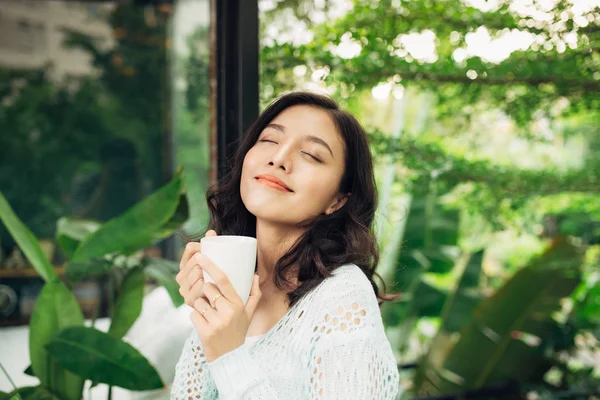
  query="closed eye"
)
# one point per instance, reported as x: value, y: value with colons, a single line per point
x: 313, y: 157
x: 268, y: 141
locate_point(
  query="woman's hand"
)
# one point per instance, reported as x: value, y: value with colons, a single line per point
x: 190, y: 278
x: 223, y: 328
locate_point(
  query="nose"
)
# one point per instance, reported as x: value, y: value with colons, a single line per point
x: 281, y: 158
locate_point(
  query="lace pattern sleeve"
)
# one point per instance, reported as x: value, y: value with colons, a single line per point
x: 192, y: 377
x: 352, y: 358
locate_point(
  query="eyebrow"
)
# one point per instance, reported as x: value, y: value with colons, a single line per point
x: 310, y: 138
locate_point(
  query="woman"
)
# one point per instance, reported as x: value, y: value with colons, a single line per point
x: 301, y: 183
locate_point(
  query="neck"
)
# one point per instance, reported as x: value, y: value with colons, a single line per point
x: 273, y: 242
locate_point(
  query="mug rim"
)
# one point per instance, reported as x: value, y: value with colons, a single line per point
x: 224, y: 239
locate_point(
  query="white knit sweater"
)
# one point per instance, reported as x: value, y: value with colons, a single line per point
x: 330, y: 345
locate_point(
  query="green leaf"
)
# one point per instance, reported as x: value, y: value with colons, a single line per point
x: 23, y: 393
x: 179, y: 217
x: 472, y: 273
x: 26, y: 241
x: 463, y: 300
x: 55, y: 309
x: 99, y: 357
x: 427, y: 301
x: 164, y: 272
x: 29, y: 371
x: 137, y: 227
x: 455, y: 314
x: 429, y: 245
x: 78, y: 270
x: 71, y: 231
x: 129, y: 303
x: 429, y: 242
x: 41, y: 393
x: 506, y: 329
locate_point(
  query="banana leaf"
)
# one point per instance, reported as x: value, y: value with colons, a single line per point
x: 153, y: 218
x: 22, y: 393
x: 429, y: 245
x: 78, y: 270
x: 503, y: 340
x: 164, y: 272
x: 55, y: 309
x: 27, y: 242
x: 465, y: 297
x: 456, y: 312
x: 71, y: 231
x: 129, y: 303
x: 99, y: 357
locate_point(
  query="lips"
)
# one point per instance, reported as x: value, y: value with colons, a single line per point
x: 273, y: 182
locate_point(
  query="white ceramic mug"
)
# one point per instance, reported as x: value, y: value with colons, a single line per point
x: 236, y: 257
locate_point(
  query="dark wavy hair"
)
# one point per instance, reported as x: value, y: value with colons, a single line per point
x: 329, y: 241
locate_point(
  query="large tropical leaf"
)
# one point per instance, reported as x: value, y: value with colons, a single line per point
x: 425, y: 300
x: 456, y: 312
x: 23, y: 392
x: 26, y: 241
x: 502, y: 341
x: 37, y: 393
x: 29, y: 393
x: 429, y: 242
x: 71, y: 231
x: 55, y: 309
x: 465, y: 297
x: 164, y: 272
x: 137, y: 227
x: 129, y: 303
x: 177, y: 219
x: 429, y: 245
x: 99, y: 357
x: 78, y: 270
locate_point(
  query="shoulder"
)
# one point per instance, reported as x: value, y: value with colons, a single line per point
x: 345, y: 302
x: 348, y: 278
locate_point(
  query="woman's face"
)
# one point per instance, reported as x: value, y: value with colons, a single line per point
x: 294, y: 170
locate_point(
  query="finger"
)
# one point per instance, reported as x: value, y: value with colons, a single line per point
x: 190, y: 249
x: 254, y: 298
x: 210, y: 292
x: 195, y: 292
x: 187, y: 269
x: 199, y: 322
x: 219, y: 277
x: 193, y: 278
x: 192, y: 262
x: 205, y: 310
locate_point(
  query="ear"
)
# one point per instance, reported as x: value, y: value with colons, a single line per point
x: 338, y: 203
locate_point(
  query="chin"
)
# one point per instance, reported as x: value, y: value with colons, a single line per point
x: 271, y: 211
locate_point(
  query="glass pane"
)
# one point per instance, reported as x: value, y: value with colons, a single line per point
x: 190, y: 105
x: 99, y: 104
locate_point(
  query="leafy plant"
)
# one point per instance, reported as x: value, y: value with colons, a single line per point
x: 63, y: 352
x: 429, y: 245
x: 508, y: 329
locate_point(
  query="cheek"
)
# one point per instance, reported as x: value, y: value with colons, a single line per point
x: 322, y: 187
x: 249, y: 164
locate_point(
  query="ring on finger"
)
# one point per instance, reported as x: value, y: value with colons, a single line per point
x: 204, y: 311
x: 192, y: 278
x: 213, y: 301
